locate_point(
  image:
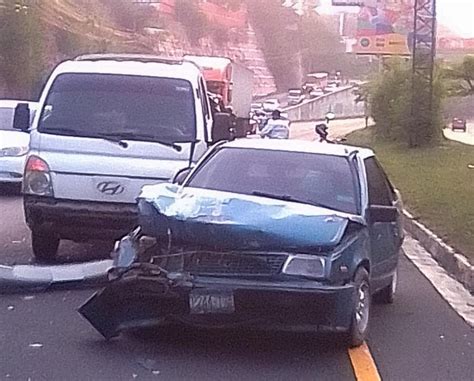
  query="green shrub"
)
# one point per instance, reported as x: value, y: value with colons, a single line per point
x: 390, y: 99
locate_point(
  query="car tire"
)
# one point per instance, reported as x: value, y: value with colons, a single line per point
x: 387, y: 294
x: 361, y: 312
x: 45, y: 246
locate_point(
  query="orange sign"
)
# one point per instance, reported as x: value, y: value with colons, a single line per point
x: 385, y: 44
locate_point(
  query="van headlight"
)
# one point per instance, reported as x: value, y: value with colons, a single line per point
x: 305, y: 265
x: 37, y: 178
x: 13, y: 151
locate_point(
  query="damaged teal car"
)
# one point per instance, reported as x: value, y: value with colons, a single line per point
x: 262, y: 234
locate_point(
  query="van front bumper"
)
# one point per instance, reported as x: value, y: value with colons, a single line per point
x: 80, y: 220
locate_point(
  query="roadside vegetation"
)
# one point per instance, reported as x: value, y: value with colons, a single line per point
x: 435, y: 181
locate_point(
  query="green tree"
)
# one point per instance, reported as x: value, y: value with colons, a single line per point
x: 390, y: 99
x: 460, y: 77
x: 193, y: 20
x: 21, y: 52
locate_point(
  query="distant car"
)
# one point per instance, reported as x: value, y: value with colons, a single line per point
x: 316, y: 93
x: 298, y: 236
x: 256, y: 106
x: 271, y: 105
x: 459, y: 124
x: 13, y: 143
x: 295, y: 97
x: 331, y: 87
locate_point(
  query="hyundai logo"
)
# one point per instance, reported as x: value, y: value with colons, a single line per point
x: 110, y: 188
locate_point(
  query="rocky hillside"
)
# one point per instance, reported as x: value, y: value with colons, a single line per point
x: 72, y: 27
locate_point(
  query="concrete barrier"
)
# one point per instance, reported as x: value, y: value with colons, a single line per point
x: 341, y: 102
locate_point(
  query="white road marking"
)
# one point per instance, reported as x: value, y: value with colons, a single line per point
x: 452, y: 291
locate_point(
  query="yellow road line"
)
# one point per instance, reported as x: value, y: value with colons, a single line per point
x: 363, y: 364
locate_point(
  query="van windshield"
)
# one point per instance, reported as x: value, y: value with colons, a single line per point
x: 121, y: 106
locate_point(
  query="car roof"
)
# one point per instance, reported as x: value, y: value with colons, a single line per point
x: 172, y: 69
x: 12, y: 103
x: 304, y: 146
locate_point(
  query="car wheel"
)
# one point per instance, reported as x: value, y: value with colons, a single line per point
x: 45, y: 245
x: 387, y: 294
x: 361, y: 311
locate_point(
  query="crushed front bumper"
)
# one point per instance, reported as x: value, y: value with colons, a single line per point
x: 137, y: 301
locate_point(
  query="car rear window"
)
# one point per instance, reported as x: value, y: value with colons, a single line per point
x: 312, y: 178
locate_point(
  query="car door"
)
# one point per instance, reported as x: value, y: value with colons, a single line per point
x: 384, y: 236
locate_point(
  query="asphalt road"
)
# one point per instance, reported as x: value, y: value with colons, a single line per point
x: 42, y: 337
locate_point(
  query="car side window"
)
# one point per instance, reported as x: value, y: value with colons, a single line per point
x: 380, y: 192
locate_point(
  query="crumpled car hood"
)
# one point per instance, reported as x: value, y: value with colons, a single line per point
x: 229, y: 221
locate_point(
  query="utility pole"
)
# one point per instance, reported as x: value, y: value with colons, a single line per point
x: 424, y: 53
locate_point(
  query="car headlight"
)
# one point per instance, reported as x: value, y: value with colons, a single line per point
x: 13, y: 151
x: 305, y: 265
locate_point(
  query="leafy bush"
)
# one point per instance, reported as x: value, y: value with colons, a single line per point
x: 21, y: 53
x: 194, y: 21
x: 390, y: 99
x: 129, y: 15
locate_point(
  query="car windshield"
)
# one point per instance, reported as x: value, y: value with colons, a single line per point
x: 315, y: 179
x: 132, y: 107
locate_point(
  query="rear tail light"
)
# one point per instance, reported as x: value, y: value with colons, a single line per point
x: 37, y: 179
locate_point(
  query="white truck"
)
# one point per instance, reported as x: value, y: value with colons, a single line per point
x: 233, y: 82
x: 106, y: 126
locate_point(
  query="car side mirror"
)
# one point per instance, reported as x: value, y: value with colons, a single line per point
x: 21, y: 120
x: 380, y: 213
x: 181, y: 176
x: 222, y: 127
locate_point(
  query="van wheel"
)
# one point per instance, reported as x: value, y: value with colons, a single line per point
x: 361, y: 312
x: 387, y: 294
x: 45, y: 245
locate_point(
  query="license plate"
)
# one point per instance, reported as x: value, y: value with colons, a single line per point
x: 211, y: 302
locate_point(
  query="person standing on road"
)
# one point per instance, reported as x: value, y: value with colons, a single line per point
x: 276, y: 127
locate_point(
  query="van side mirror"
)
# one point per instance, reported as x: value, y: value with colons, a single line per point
x: 379, y: 213
x: 181, y: 176
x: 21, y: 120
x: 222, y: 127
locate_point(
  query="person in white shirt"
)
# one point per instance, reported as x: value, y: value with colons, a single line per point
x: 276, y: 127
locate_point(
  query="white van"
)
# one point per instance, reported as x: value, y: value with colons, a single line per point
x: 106, y: 126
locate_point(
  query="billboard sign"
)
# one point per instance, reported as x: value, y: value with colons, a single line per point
x: 385, y: 28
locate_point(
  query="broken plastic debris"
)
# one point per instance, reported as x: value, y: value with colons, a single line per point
x: 42, y: 277
x: 134, y: 375
x: 36, y: 345
x: 156, y: 372
x: 10, y: 308
x: 29, y: 297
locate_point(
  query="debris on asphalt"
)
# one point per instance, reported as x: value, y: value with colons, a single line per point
x: 29, y: 297
x: 10, y: 308
x: 35, y: 345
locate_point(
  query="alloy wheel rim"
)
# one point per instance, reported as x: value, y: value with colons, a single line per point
x: 362, y: 307
x: 394, y: 283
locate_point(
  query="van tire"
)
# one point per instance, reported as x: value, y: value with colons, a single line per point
x: 45, y: 245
